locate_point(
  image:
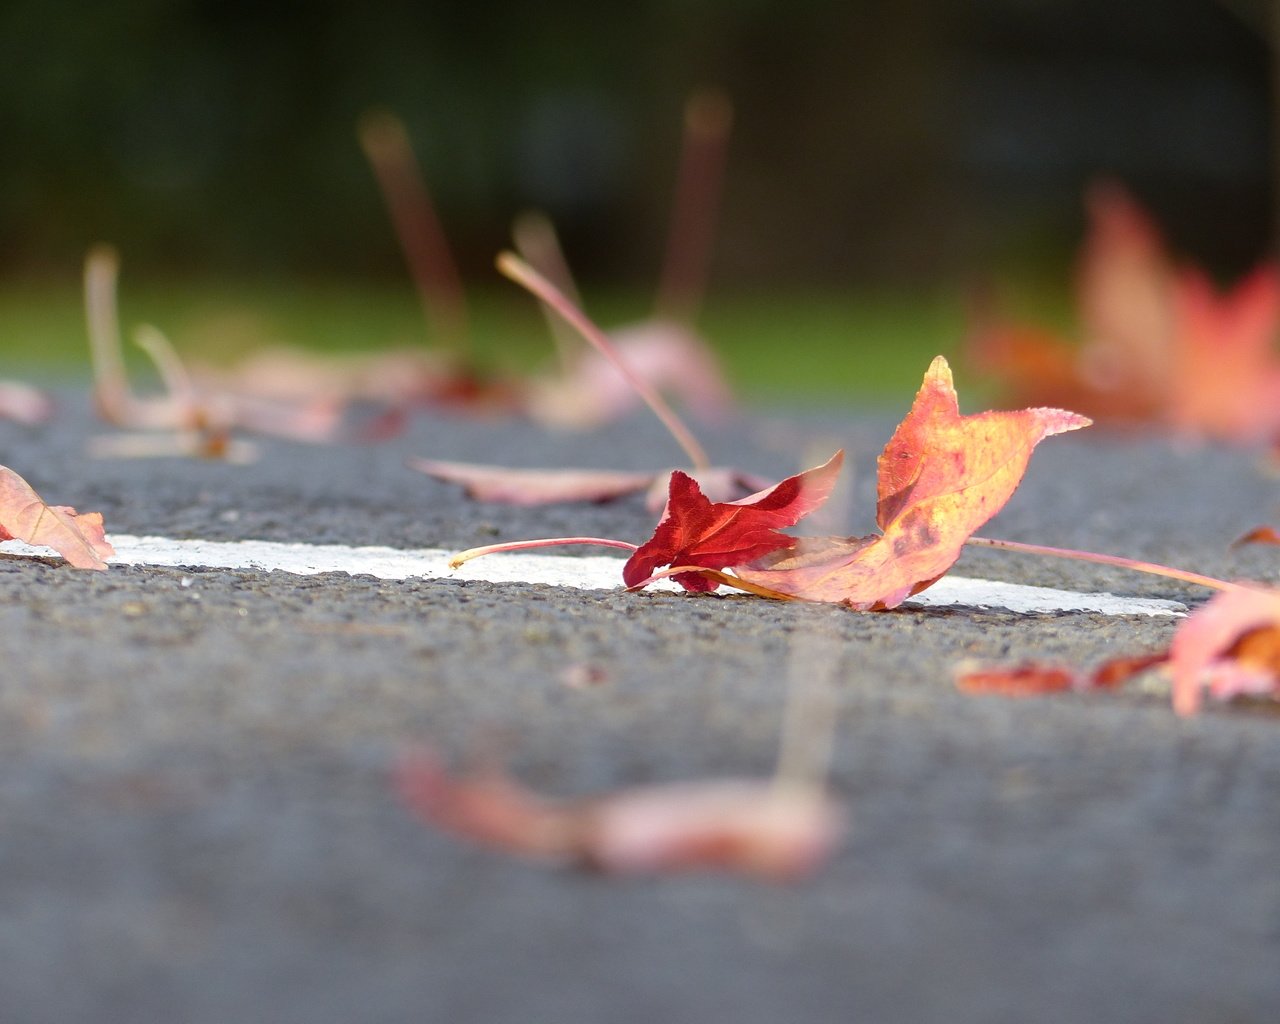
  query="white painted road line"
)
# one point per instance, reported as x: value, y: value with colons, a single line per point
x: 590, y: 573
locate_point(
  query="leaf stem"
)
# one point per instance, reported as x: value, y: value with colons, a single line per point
x: 1152, y: 568
x: 512, y: 266
x: 544, y: 542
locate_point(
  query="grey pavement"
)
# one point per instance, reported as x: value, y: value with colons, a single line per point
x: 196, y: 823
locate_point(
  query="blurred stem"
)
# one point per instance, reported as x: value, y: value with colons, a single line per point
x: 539, y: 245
x: 708, y: 117
x: 521, y: 273
x: 417, y: 225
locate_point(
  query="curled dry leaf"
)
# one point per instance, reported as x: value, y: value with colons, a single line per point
x: 695, y: 531
x: 770, y: 830
x: 941, y: 476
x: 25, y: 516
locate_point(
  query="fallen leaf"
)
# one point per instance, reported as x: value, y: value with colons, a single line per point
x: 1034, y: 679
x: 695, y: 531
x: 1231, y: 646
x: 507, y: 485
x: 1119, y: 372
x: 1123, y: 293
x: 769, y: 830
x: 1115, y: 672
x: 184, y: 406
x: 1160, y: 344
x: 941, y: 476
x: 1224, y: 370
x: 510, y: 486
x: 1258, y: 535
x: 25, y: 516
x: 1017, y: 681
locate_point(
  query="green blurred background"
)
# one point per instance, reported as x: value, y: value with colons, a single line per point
x: 887, y: 157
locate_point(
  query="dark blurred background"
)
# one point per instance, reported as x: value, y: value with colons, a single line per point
x: 885, y: 141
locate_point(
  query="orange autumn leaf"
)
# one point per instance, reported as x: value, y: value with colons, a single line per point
x: 1158, y: 344
x: 1118, y: 371
x: 1225, y: 373
x: 1122, y: 292
x: 25, y: 516
x: 941, y: 476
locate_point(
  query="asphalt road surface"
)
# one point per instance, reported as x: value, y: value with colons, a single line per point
x: 197, y: 822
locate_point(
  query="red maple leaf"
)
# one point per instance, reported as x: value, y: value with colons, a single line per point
x: 695, y: 531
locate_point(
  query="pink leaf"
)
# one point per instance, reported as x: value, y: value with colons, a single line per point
x: 24, y: 516
x: 1212, y: 636
x: 503, y: 485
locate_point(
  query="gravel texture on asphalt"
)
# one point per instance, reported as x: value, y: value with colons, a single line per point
x: 198, y: 824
